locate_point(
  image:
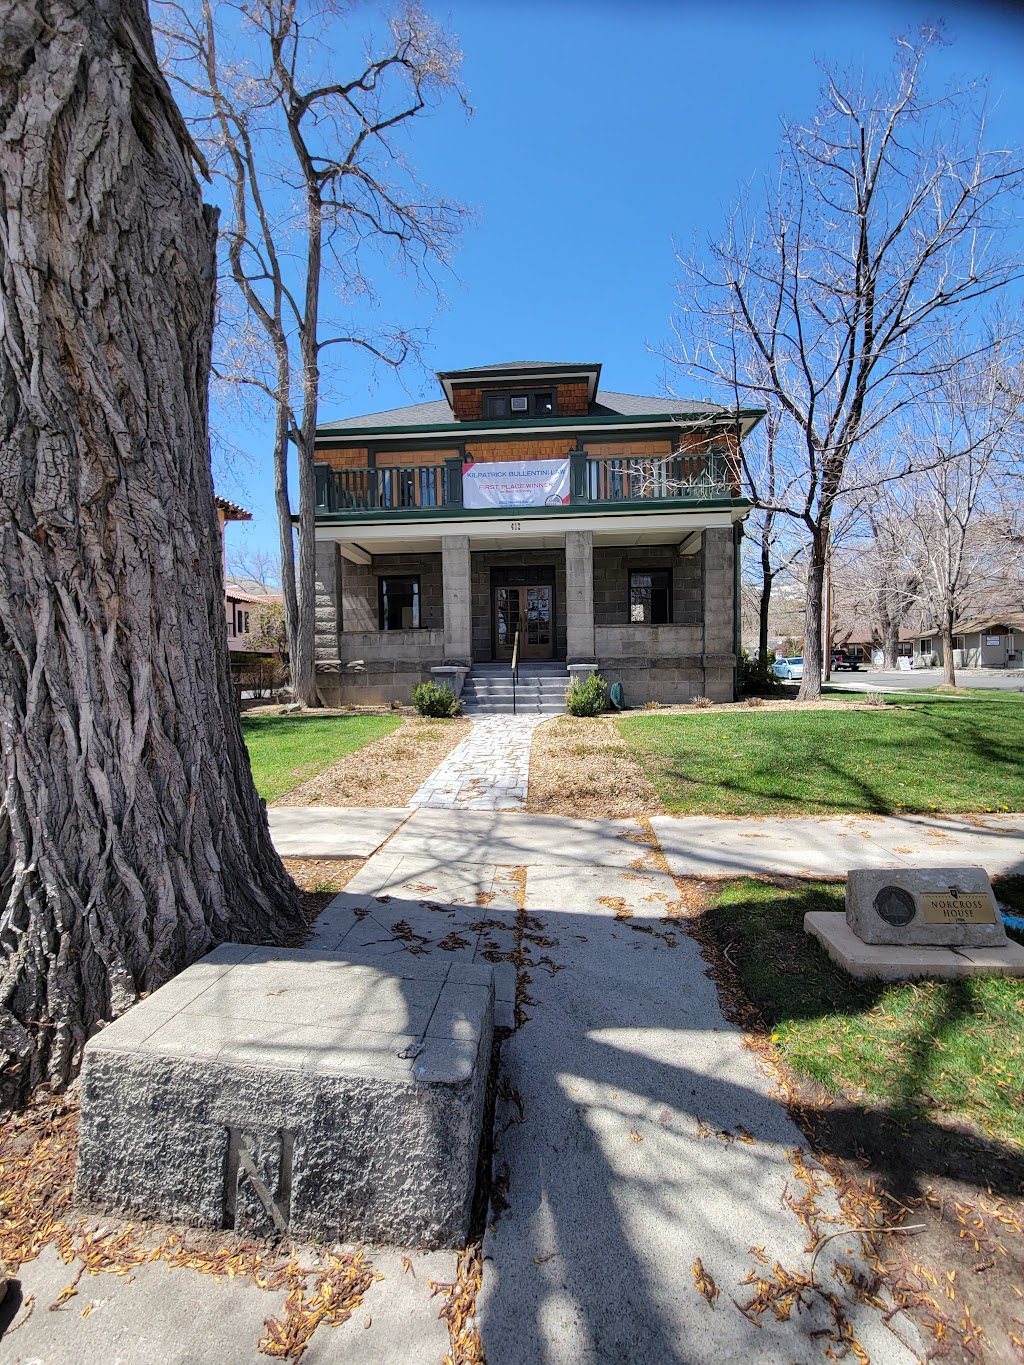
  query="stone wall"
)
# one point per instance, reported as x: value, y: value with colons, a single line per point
x: 612, y: 568
x: 360, y: 663
x: 360, y: 601
x: 482, y: 563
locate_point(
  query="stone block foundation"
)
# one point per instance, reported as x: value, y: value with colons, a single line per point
x: 294, y: 1091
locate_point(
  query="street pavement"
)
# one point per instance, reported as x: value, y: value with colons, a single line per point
x: 875, y: 680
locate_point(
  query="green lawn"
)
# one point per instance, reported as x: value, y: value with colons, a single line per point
x: 287, y: 750
x: 942, y: 1050
x: 933, y: 753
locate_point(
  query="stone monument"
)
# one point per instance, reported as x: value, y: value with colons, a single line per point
x: 907, y: 922
x: 319, y: 1094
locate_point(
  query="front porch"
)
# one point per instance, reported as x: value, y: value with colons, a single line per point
x: 649, y: 599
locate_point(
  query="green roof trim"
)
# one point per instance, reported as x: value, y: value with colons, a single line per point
x: 331, y: 435
x: 455, y: 512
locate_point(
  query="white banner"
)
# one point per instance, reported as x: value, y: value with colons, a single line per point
x: 533, y: 483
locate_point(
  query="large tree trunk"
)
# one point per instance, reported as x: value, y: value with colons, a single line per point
x: 765, y: 602
x: 132, y: 838
x: 948, y: 671
x: 810, y: 688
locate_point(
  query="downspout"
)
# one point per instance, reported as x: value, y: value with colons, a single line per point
x: 737, y: 623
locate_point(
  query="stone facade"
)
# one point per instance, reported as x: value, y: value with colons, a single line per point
x: 693, y: 655
x: 483, y: 626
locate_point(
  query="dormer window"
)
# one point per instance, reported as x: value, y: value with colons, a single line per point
x: 531, y: 403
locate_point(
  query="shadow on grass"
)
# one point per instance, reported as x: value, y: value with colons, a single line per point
x: 815, y: 774
x: 886, y: 1043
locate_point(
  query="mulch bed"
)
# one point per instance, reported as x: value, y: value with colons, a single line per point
x: 387, y: 772
x: 584, y: 767
x: 961, y: 1279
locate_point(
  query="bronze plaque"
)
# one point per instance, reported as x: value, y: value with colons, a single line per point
x: 895, y: 906
x: 957, y: 907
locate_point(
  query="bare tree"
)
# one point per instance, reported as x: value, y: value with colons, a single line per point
x: 258, y: 565
x: 318, y: 183
x: 963, y: 433
x: 131, y: 839
x: 826, y: 293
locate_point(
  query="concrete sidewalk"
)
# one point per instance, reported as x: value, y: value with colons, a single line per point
x: 635, y: 1135
x: 695, y: 846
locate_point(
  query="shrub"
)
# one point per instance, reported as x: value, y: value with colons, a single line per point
x: 876, y: 699
x: 755, y: 701
x: 430, y: 699
x: 701, y: 703
x: 651, y: 706
x: 756, y: 675
x: 586, y: 697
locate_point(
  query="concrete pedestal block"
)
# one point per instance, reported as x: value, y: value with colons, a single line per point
x: 933, y: 907
x: 281, y: 1090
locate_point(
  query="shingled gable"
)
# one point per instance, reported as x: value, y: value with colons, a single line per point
x: 531, y: 375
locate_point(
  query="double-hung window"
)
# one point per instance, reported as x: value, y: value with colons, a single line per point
x: 399, y: 602
x: 650, y: 597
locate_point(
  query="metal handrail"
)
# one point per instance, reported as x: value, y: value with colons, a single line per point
x: 515, y: 670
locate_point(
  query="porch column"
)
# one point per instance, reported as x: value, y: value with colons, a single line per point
x: 457, y: 591
x: 326, y: 613
x: 579, y: 596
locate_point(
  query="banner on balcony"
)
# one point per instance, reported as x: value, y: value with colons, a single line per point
x: 532, y: 483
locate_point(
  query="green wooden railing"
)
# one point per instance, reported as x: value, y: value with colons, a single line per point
x: 599, y: 480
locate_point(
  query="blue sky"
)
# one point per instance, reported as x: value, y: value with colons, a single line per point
x: 604, y: 131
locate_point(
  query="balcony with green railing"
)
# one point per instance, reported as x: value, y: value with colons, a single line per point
x: 595, y: 482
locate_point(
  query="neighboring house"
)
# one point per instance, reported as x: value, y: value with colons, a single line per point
x: 987, y: 642
x: 602, y: 527
x: 241, y: 595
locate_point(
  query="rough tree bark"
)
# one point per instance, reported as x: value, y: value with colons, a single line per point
x: 132, y: 839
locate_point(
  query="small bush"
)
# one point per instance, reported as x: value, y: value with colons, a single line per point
x: 651, y: 706
x: 756, y: 676
x: 755, y: 701
x: 586, y: 698
x: 876, y: 699
x: 701, y: 703
x: 439, y: 702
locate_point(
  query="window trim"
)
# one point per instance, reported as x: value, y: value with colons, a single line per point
x: 650, y: 570
x: 531, y: 413
x: 927, y: 645
x: 417, y: 598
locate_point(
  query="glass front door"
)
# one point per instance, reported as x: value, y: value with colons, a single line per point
x: 528, y: 611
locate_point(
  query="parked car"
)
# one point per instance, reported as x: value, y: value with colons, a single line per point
x: 790, y: 669
x: 841, y: 660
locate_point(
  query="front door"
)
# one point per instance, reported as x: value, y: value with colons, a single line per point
x: 528, y: 611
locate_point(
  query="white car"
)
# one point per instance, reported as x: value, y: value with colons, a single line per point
x: 790, y: 669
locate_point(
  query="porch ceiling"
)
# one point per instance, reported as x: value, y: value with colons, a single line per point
x: 547, y: 534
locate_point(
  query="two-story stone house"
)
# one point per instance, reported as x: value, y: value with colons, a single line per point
x: 601, y: 528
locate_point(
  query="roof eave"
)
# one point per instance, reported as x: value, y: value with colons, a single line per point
x: 748, y: 418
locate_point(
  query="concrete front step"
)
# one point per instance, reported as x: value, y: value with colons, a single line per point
x: 540, y: 690
x: 523, y: 708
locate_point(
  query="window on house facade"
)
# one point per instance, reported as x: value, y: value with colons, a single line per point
x: 399, y: 603
x: 959, y: 642
x: 650, y: 597
x: 904, y: 649
x: 926, y: 647
x: 532, y: 403
x: 243, y: 623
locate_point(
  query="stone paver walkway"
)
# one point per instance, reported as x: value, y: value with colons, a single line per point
x: 489, y: 770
